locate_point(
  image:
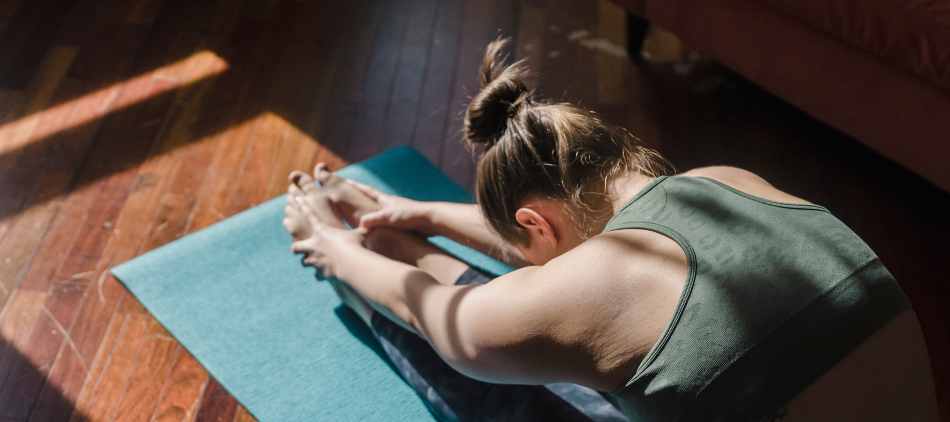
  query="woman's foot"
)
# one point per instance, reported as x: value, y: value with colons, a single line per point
x: 334, y: 193
x: 306, y: 199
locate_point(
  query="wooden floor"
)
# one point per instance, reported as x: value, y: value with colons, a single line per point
x: 127, y: 124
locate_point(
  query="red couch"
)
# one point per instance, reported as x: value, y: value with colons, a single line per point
x: 878, y: 70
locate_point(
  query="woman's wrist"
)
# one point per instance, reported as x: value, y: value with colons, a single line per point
x: 426, y: 219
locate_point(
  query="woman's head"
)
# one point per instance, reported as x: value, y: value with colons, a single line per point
x: 544, y: 168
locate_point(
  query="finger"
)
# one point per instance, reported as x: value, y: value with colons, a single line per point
x: 295, y: 192
x: 294, y: 176
x: 320, y: 173
x: 303, y: 180
x: 302, y: 246
x: 365, y: 189
x: 318, y: 225
x: 373, y: 219
x: 295, y: 201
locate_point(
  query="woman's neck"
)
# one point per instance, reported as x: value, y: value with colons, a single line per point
x: 625, y: 187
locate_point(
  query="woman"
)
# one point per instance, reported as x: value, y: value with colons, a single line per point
x: 708, y: 295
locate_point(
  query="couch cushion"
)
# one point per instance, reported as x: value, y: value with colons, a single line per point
x: 911, y: 34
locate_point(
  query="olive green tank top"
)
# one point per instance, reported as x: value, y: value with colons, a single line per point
x: 776, y: 294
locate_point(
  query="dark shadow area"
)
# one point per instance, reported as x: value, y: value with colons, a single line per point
x: 76, y: 157
x: 24, y: 392
x: 361, y: 332
x: 447, y: 394
x: 256, y: 81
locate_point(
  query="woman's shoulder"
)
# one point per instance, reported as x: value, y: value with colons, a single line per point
x: 744, y: 181
x: 726, y: 174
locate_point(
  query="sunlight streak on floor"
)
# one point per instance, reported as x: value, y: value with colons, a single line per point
x: 96, y: 105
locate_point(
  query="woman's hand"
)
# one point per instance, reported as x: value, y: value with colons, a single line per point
x: 325, y: 246
x: 326, y: 241
x: 395, y: 212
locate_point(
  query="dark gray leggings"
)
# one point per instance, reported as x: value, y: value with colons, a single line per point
x: 452, y: 396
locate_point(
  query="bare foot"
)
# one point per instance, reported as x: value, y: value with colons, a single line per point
x: 343, y: 196
x: 305, y: 198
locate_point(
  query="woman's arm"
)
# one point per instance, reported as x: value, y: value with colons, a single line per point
x: 462, y: 223
x: 489, y: 332
x: 465, y: 224
x: 521, y: 328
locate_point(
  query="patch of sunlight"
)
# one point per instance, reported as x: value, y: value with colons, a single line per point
x: 116, y: 97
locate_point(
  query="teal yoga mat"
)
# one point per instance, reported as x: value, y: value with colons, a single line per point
x: 273, y: 334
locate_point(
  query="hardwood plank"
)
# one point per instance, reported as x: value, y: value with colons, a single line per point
x: 483, y: 23
x: 404, y: 103
x: 248, y: 190
x: 186, y: 171
x: 242, y: 415
x: 49, y: 340
x: 144, y: 12
x: 182, y: 391
x: 22, y: 236
x: 28, y: 36
x: 166, y: 173
x: 21, y: 241
x: 256, y: 169
x: 263, y: 147
x: 228, y: 120
x: 108, y: 46
x: 158, y: 354
x: 16, y: 326
x: 433, y: 111
x: 51, y: 73
x: 64, y: 232
x: 579, y: 85
x: 179, y: 29
x: 217, y: 404
x: 28, y: 375
x: 11, y: 103
x: 230, y: 111
x: 348, y: 85
x: 211, y: 203
x: 117, y: 370
x: 532, y: 31
x: 133, y: 223
x: 611, y: 70
x: 377, y: 87
x: 181, y: 171
x: 332, y: 43
x: 55, y: 401
x: 295, y: 151
x: 302, y: 86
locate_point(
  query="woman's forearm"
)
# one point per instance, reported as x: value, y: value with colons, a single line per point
x: 416, y: 300
x: 465, y: 224
x: 390, y: 287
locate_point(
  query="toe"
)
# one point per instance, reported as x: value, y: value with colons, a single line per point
x: 302, y: 180
x: 322, y: 175
x: 294, y: 193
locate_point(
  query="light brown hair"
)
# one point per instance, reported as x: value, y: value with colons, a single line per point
x: 529, y: 147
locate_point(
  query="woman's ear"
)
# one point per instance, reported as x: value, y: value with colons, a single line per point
x: 536, y: 225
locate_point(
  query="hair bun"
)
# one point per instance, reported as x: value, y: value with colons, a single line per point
x: 503, y: 92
